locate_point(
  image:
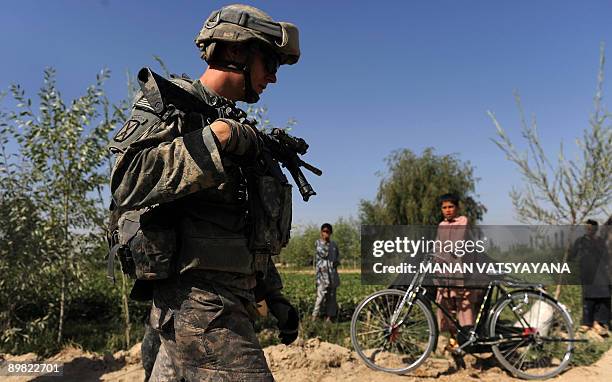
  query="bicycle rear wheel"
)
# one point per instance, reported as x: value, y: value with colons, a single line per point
x: 536, y: 334
x: 397, y: 347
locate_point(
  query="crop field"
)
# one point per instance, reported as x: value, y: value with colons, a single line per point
x: 299, y: 287
x: 95, y: 322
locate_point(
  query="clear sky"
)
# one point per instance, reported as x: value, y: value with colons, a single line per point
x: 374, y: 76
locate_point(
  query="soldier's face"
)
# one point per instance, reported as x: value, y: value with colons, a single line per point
x: 263, y: 71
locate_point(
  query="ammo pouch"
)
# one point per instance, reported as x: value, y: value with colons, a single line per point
x: 145, y: 243
x: 270, y: 218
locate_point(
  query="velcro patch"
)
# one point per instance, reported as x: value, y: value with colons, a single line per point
x: 144, y: 104
x: 127, y: 130
x: 130, y: 127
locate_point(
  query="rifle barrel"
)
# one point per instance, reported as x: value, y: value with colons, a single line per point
x: 310, y: 168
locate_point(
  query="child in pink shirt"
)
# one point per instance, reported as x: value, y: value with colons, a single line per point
x: 458, y: 301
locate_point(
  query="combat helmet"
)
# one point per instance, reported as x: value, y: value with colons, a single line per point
x: 239, y: 23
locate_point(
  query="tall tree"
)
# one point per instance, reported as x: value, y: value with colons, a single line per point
x: 20, y: 241
x: 63, y: 149
x: 571, y: 190
x: 408, y: 193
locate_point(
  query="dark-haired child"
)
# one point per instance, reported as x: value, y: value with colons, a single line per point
x: 326, y: 268
x: 457, y: 300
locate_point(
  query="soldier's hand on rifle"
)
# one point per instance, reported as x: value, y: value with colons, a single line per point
x: 236, y: 138
x: 287, y: 316
x: 222, y: 131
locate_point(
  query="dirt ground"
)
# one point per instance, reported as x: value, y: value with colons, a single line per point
x: 311, y: 360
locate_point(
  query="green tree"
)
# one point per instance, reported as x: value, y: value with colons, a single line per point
x: 408, y: 193
x: 20, y: 241
x: 569, y: 191
x: 347, y: 236
x: 301, y: 248
x: 57, y: 178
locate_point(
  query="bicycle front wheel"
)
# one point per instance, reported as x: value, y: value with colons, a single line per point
x: 535, y: 334
x: 394, y: 347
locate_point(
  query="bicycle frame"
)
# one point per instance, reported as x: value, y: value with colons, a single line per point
x: 493, y: 291
x: 519, y: 323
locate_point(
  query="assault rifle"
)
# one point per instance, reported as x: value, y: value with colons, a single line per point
x: 163, y: 96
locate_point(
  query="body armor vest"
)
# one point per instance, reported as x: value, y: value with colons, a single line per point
x: 219, y: 228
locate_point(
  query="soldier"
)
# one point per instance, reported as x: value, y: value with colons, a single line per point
x: 194, y: 169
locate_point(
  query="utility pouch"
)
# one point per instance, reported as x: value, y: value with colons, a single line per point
x: 270, y: 217
x: 145, y: 244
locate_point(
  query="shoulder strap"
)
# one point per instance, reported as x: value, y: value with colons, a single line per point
x: 186, y: 84
x: 165, y: 96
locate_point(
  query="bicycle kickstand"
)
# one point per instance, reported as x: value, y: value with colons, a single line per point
x: 458, y: 353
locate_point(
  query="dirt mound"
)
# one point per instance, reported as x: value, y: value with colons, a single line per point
x: 313, y: 354
x: 311, y: 360
x: 80, y: 365
x: 314, y: 360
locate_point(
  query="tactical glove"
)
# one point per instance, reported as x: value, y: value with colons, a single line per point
x: 242, y: 141
x: 287, y: 316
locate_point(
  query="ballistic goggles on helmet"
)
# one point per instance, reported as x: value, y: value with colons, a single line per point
x: 235, y: 25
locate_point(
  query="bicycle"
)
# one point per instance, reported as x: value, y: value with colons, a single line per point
x: 530, y: 333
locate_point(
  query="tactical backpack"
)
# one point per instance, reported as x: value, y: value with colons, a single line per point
x: 144, y: 242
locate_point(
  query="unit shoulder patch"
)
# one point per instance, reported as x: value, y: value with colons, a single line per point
x: 129, y: 127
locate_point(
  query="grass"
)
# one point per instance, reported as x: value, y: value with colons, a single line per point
x: 299, y: 286
x: 94, y: 320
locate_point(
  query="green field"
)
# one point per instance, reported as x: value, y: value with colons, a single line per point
x: 94, y: 320
x: 300, y: 287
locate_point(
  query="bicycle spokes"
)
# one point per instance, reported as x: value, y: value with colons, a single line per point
x: 388, y: 345
x: 535, y: 335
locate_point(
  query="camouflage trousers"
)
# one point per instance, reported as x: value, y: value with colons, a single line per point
x: 325, y: 302
x: 149, y: 349
x: 206, y: 335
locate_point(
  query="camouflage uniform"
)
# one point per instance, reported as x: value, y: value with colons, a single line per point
x: 149, y: 349
x: 202, y: 310
x: 203, y: 313
x: 210, y: 335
